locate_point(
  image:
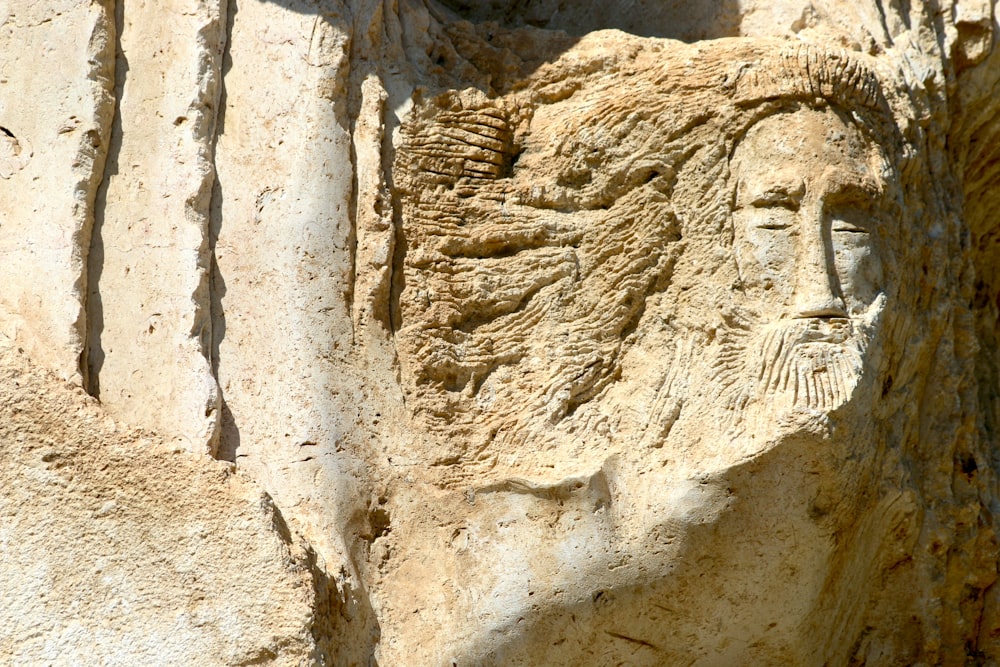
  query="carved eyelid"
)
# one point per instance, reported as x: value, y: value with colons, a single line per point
x: 848, y: 227
x: 849, y: 218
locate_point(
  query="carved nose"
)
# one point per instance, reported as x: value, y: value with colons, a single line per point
x: 819, y: 304
x: 816, y: 288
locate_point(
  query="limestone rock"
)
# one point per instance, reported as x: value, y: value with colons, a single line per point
x: 149, y: 258
x: 119, y: 550
x: 55, y: 115
x: 645, y: 332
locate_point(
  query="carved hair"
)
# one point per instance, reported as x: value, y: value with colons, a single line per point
x: 537, y: 225
x: 806, y: 72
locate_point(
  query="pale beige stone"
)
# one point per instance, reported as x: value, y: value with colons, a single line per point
x: 589, y: 333
x: 56, y: 105
x: 150, y: 331
x: 117, y: 550
x: 283, y: 262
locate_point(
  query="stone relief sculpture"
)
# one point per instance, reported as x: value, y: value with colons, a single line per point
x: 531, y: 258
x: 812, y: 258
x: 529, y: 342
x: 606, y: 297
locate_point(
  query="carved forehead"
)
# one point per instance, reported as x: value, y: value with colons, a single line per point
x: 805, y: 133
x: 807, y: 140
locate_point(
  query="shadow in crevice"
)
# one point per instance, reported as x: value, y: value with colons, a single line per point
x: 684, y: 20
x: 344, y: 625
x: 93, y: 351
x: 229, y: 432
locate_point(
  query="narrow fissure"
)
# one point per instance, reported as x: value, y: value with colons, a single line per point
x: 229, y: 439
x: 354, y: 101
x: 92, y: 358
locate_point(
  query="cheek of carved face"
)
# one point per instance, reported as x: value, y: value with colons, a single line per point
x: 805, y: 216
x: 855, y: 258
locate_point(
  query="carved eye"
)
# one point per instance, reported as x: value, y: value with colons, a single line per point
x: 775, y: 224
x: 846, y: 227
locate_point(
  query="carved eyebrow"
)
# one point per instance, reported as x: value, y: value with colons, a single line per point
x: 778, y: 195
x: 849, y: 181
x: 786, y: 194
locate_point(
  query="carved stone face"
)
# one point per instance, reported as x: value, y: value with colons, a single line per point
x: 807, y: 219
x: 803, y: 227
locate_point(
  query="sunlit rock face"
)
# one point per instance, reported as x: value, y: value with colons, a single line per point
x: 622, y: 304
x: 643, y: 333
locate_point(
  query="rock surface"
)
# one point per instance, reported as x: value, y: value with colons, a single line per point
x: 527, y: 333
x: 118, y: 550
x: 148, y: 294
x: 56, y: 130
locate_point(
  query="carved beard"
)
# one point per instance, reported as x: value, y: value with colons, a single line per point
x: 807, y: 363
x: 756, y: 372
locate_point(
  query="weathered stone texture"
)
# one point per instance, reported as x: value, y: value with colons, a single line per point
x: 150, y: 326
x: 56, y: 107
x: 591, y: 333
x: 118, y: 549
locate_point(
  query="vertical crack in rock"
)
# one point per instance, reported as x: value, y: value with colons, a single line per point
x: 353, y: 101
x: 52, y: 153
x: 102, y: 59
x: 228, y: 433
x: 282, y: 240
x: 374, y: 232
x: 92, y: 358
x: 216, y: 44
x: 212, y: 43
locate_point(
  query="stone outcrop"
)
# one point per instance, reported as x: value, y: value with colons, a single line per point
x: 56, y: 131
x: 420, y: 332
